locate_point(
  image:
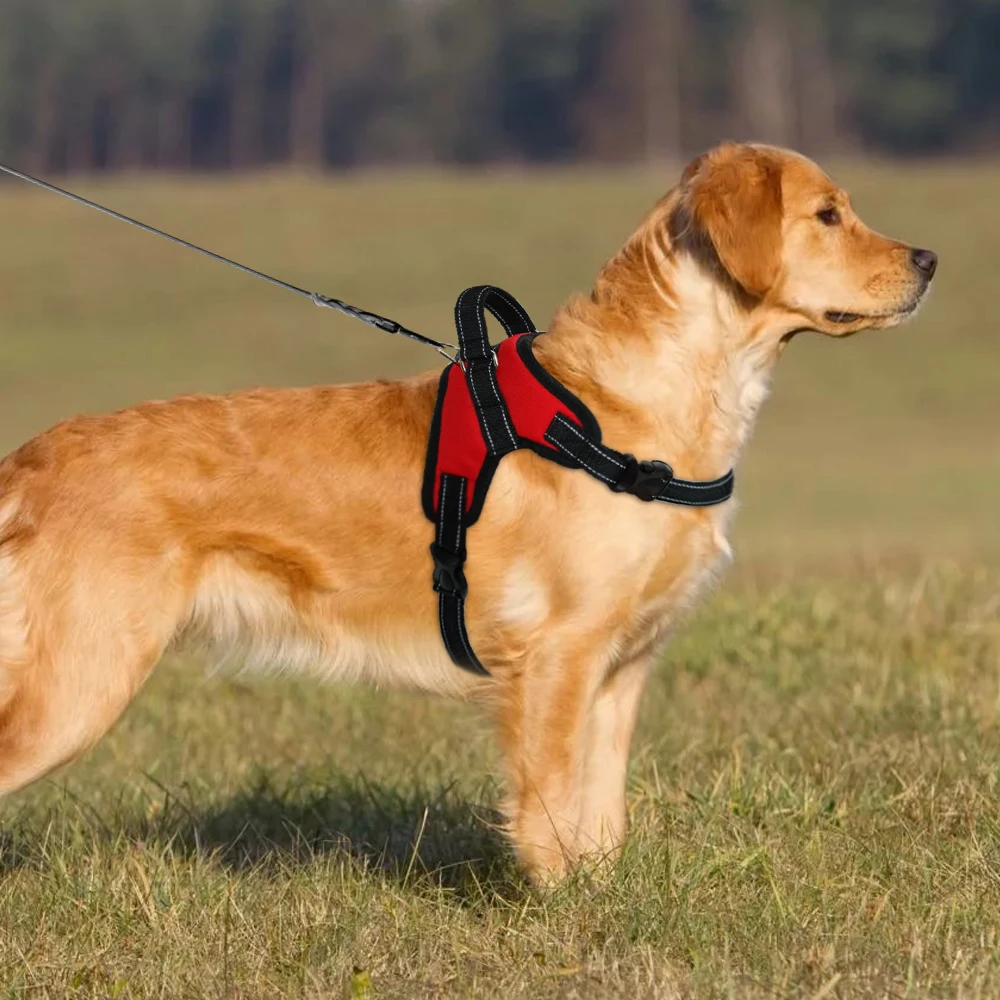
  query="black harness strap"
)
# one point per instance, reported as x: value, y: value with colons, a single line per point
x: 478, y: 360
x: 623, y: 473
x: 448, y: 551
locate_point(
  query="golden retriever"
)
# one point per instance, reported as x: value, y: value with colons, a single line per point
x: 287, y: 523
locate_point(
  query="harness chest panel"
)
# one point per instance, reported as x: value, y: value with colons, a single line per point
x: 495, y: 401
x: 458, y: 445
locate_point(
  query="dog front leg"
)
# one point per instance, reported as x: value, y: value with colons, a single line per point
x: 545, y: 717
x: 602, y: 823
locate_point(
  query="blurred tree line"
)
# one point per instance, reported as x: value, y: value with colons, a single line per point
x: 93, y: 84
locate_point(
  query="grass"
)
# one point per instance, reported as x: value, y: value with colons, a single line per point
x: 814, y: 803
x: 814, y: 792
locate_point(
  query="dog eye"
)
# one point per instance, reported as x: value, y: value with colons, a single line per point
x: 828, y: 216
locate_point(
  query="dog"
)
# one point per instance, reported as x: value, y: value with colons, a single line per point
x: 286, y: 523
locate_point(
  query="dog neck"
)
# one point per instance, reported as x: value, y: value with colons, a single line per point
x: 671, y: 362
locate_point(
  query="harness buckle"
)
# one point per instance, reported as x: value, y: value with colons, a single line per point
x: 448, y: 575
x: 645, y: 480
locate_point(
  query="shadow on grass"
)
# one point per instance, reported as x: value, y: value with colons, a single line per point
x: 403, y: 834
x: 409, y: 836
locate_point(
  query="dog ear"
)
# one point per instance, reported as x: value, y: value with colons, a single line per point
x: 732, y: 199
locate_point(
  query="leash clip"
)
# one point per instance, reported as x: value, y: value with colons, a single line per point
x: 493, y: 353
x: 645, y: 480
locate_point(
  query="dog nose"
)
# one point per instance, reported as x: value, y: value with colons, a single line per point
x: 925, y: 261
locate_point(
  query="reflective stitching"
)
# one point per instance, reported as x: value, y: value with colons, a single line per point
x: 482, y: 294
x: 691, y: 503
x: 459, y: 609
x: 462, y: 633
x: 711, y: 485
x: 569, y: 425
x: 503, y: 406
x: 479, y: 409
x: 459, y: 305
x: 444, y: 631
x: 589, y: 468
x: 461, y: 512
x: 518, y: 308
x: 459, y: 600
x: 484, y: 291
x: 442, y: 597
x: 441, y: 506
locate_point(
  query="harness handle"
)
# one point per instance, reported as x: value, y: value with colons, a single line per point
x: 470, y: 319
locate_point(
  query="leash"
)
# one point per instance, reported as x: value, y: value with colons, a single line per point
x: 449, y: 351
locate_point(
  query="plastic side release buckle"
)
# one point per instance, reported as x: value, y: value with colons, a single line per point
x: 448, y: 575
x: 645, y: 480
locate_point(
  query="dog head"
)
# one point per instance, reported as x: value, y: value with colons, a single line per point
x: 786, y: 240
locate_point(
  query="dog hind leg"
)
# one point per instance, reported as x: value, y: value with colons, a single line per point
x: 72, y: 656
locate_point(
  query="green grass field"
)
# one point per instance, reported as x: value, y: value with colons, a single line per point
x: 814, y: 790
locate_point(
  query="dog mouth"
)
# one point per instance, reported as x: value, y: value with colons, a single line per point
x: 842, y: 316
x: 848, y: 318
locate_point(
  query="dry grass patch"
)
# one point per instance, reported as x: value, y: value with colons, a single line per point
x: 813, y: 801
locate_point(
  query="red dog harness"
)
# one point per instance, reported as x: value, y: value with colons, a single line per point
x: 492, y: 402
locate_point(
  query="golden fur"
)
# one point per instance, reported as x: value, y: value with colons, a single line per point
x: 287, y: 523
